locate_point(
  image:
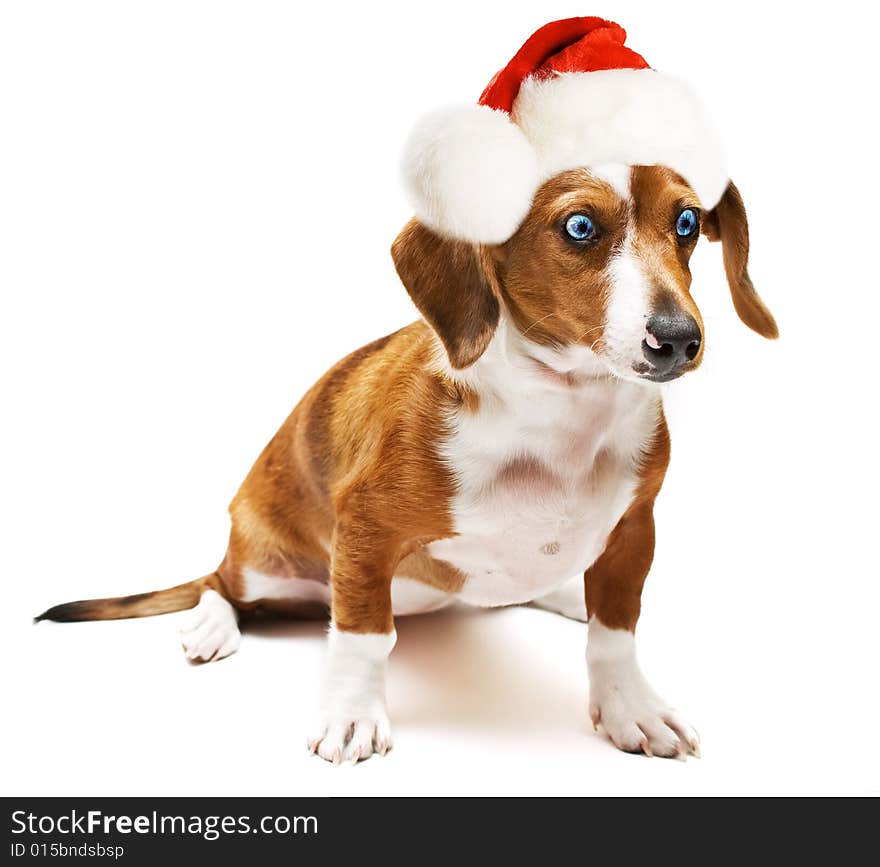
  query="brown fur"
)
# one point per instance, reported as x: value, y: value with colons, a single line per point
x: 122, y: 607
x: 728, y: 224
x: 454, y: 291
x: 613, y: 584
x: 555, y: 292
x: 365, y: 476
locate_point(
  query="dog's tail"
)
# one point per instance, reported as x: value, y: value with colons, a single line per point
x: 120, y: 607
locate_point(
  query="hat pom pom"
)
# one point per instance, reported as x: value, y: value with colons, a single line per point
x: 470, y: 173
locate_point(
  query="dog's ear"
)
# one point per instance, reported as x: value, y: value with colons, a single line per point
x: 728, y: 223
x: 454, y: 285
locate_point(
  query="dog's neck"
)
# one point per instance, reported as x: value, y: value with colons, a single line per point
x: 559, y: 407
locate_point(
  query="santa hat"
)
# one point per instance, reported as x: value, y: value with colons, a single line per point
x: 574, y: 95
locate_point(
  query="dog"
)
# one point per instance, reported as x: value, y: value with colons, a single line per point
x: 506, y: 448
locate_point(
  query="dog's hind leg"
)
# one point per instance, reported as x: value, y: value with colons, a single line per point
x: 567, y: 600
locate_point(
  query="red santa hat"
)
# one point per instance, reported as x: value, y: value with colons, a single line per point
x: 574, y: 95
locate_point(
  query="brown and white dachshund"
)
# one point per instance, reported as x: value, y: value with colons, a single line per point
x: 506, y: 448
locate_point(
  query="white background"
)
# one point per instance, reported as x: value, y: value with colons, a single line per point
x: 196, y: 208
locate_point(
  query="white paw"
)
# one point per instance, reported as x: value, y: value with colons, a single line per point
x: 354, y: 723
x: 213, y: 630
x: 632, y: 714
x: 343, y: 738
x: 636, y: 719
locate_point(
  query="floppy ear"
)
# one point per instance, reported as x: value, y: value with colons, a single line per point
x: 728, y: 223
x: 453, y: 284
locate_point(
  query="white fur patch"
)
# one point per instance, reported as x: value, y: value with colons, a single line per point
x: 567, y: 600
x: 617, y: 175
x: 354, y: 722
x: 632, y: 714
x: 258, y: 585
x: 628, y: 310
x: 545, y: 469
x: 629, y: 296
x: 409, y: 596
x: 213, y: 629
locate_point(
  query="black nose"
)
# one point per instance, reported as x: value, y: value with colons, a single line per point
x: 671, y: 341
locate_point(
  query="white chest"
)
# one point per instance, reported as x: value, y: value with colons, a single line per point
x: 543, y: 475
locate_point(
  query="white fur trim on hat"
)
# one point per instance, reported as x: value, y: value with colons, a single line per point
x: 629, y: 116
x: 470, y: 173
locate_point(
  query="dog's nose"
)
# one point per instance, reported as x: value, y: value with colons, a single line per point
x: 671, y: 341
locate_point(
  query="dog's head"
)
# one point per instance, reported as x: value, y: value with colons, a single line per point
x: 598, y: 269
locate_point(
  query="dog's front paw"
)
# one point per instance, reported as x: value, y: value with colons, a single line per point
x: 354, y: 723
x: 636, y: 718
x: 349, y: 737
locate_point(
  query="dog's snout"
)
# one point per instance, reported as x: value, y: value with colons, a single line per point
x: 671, y: 341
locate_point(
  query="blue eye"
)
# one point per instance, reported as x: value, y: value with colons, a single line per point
x: 687, y: 223
x: 580, y: 227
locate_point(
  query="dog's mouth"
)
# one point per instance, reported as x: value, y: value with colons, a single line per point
x: 649, y: 373
x: 566, y: 368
